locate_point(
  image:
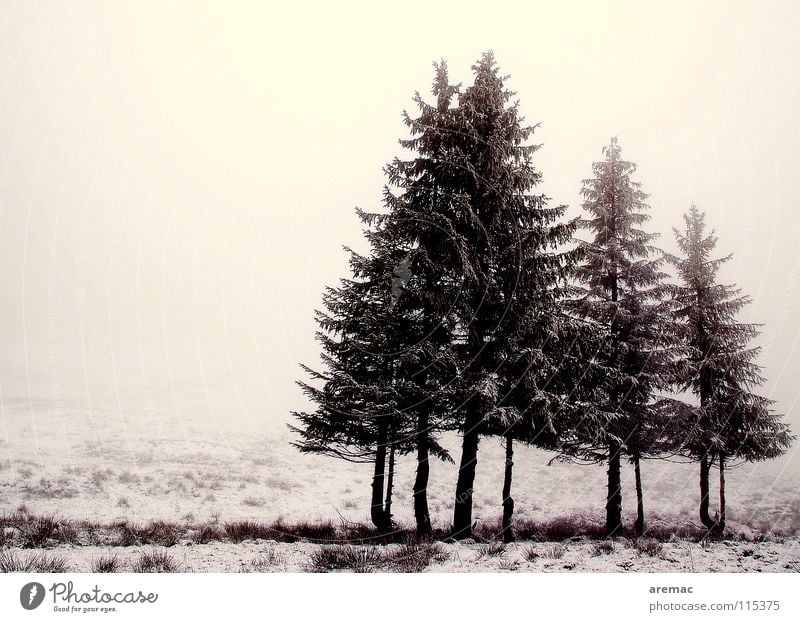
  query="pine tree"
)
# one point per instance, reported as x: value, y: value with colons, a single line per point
x: 357, y: 413
x: 621, y: 290
x: 399, y: 309
x: 512, y: 337
x: 420, y: 217
x: 731, y: 422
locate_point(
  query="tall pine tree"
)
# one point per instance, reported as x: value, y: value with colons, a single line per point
x: 731, y: 423
x: 421, y: 205
x: 511, y: 336
x: 621, y: 290
x: 400, y: 307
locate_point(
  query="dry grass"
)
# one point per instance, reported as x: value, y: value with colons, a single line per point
x: 159, y: 533
x: 529, y: 553
x: 336, y: 557
x: 154, y: 561
x: 106, y: 563
x: 268, y: 561
x: 554, y: 551
x: 491, y: 549
x: 33, y: 562
x: 414, y: 556
x: 411, y: 556
x: 603, y: 547
x: 648, y: 546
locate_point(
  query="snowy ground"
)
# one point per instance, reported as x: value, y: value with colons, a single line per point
x: 192, y: 461
x: 574, y: 556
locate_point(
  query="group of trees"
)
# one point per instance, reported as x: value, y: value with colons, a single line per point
x: 477, y: 310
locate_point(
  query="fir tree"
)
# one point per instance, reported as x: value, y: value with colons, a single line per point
x: 731, y: 423
x: 621, y: 290
x: 400, y: 307
x: 420, y: 218
x: 357, y: 413
x: 511, y: 337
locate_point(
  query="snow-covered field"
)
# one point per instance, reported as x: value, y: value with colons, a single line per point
x: 571, y: 556
x: 191, y: 461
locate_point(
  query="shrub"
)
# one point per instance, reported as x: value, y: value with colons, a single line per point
x: 37, y: 531
x: 126, y: 534
x: 208, y: 533
x: 160, y: 533
x: 314, y: 532
x: 247, y: 530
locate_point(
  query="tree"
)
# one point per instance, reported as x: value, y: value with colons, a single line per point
x: 621, y: 290
x: 510, y: 335
x: 357, y: 416
x: 394, y: 320
x: 731, y: 422
x: 420, y: 220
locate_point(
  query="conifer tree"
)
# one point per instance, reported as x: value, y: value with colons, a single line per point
x: 511, y: 336
x: 400, y: 306
x: 420, y: 219
x: 357, y: 413
x: 731, y: 423
x: 621, y: 290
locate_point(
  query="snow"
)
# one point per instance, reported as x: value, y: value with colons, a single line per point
x: 577, y: 556
x: 200, y: 463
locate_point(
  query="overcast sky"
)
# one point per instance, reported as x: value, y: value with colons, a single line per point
x: 177, y: 179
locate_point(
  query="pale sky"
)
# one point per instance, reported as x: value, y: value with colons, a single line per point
x: 177, y: 179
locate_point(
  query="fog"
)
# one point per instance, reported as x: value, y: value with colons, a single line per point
x: 177, y: 179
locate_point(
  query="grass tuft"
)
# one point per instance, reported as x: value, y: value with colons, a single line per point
x: 267, y: 561
x: 603, y: 547
x: 34, y: 562
x: 554, y: 551
x: 491, y: 549
x: 106, y: 563
x: 414, y: 556
x: 648, y: 546
x: 328, y: 558
x: 154, y: 561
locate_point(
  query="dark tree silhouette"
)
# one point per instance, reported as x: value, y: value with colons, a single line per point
x: 397, y: 315
x: 513, y: 338
x: 357, y: 406
x: 731, y: 422
x: 621, y: 290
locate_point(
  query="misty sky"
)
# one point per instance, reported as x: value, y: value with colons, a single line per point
x: 177, y: 179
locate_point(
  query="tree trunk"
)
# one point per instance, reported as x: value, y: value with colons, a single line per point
x: 462, y: 513
x: 387, y: 508
x: 705, y: 468
x: 376, y: 509
x: 721, y: 522
x: 421, y: 512
x: 614, y: 499
x: 639, y: 497
x: 508, y: 501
